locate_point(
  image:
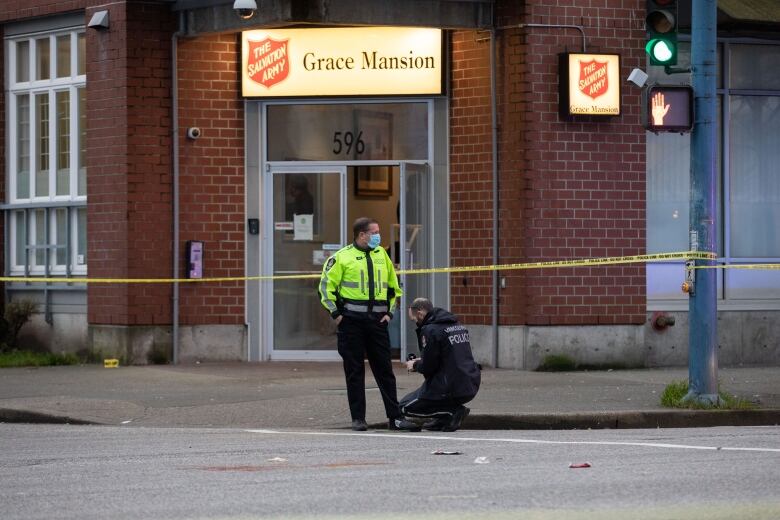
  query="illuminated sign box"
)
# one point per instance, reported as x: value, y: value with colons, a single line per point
x: 589, y: 84
x: 359, y: 61
x: 668, y: 108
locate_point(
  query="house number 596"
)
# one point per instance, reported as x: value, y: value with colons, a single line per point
x: 346, y: 141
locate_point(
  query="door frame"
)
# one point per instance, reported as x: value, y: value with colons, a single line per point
x: 404, y: 300
x: 267, y: 293
x: 267, y: 290
x: 259, y: 317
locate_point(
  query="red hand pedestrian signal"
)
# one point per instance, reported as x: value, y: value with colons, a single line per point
x: 660, y: 109
x: 668, y: 108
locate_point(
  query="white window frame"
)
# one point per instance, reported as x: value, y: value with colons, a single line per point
x: 71, y: 201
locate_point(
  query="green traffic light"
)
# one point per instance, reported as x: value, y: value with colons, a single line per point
x: 662, y: 27
x: 661, y: 52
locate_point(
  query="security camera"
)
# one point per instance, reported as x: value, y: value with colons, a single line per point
x: 638, y: 77
x: 245, y: 8
x: 193, y: 133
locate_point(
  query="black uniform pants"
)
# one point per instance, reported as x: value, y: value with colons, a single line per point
x: 359, y: 338
x: 412, y: 405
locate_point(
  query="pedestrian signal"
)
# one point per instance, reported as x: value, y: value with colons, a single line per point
x: 661, y: 23
x: 668, y: 108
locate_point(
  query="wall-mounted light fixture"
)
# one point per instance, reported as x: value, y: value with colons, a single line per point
x: 99, y: 20
x: 638, y: 77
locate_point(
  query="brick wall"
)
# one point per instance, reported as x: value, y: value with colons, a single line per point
x: 106, y: 162
x: 24, y: 9
x: 470, y: 175
x: 212, y: 175
x: 149, y: 173
x: 129, y: 164
x: 567, y: 189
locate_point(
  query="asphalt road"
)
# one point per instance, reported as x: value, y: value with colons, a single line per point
x: 85, y: 472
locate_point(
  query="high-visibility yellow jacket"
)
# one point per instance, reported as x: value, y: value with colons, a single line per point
x: 356, y: 282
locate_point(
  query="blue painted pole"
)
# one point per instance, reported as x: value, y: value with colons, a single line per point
x: 703, y: 305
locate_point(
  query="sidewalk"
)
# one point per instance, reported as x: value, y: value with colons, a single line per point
x: 313, y: 395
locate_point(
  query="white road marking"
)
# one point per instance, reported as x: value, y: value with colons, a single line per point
x: 520, y: 441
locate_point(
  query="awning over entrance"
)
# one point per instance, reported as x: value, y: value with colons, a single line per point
x: 751, y: 10
x: 740, y: 18
x: 215, y: 16
x: 749, y: 18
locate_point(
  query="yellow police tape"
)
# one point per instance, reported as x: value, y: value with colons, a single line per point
x: 583, y: 262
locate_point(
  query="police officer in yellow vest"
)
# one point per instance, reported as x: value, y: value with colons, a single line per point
x: 359, y: 289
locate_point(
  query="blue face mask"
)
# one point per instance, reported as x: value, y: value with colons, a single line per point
x: 373, y: 240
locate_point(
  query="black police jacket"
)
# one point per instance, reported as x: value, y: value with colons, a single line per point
x: 446, y: 360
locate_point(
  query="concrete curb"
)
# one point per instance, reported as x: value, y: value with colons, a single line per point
x: 625, y: 420
x: 552, y: 421
x: 619, y: 420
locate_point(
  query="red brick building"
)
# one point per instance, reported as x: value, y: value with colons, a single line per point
x: 103, y: 178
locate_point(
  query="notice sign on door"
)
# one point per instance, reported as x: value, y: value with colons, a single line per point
x: 354, y: 61
x: 303, y: 227
x: 589, y: 84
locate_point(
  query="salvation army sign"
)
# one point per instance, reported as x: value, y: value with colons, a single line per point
x: 267, y: 62
x: 589, y: 84
x: 355, y: 61
x: 594, y: 81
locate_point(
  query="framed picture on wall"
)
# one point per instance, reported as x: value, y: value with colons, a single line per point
x: 373, y: 181
x: 375, y: 133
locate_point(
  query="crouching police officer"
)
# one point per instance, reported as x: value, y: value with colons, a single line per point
x: 451, y: 376
x: 359, y: 289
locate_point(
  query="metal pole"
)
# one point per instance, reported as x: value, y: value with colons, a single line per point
x: 494, y: 124
x: 175, y: 192
x: 702, y: 306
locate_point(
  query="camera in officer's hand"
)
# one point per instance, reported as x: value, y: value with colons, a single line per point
x: 410, y: 357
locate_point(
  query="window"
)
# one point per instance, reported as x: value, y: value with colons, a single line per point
x: 755, y: 176
x: 748, y: 190
x: 359, y: 131
x: 46, y: 195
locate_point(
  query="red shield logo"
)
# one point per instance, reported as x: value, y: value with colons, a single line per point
x: 594, y: 80
x: 267, y: 62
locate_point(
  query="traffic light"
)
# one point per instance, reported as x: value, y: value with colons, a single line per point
x: 661, y: 25
x: 668, y: 108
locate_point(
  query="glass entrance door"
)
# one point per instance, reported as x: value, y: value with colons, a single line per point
x: 415, y: 244
x: 308, y: 226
